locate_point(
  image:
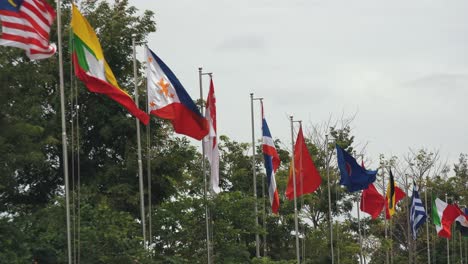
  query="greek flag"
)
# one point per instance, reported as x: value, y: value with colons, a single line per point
x: 417, y: 212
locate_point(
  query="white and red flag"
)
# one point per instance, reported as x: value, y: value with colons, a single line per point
x: 211, y: 140
x: 26, y: 25
x: 272, y: 162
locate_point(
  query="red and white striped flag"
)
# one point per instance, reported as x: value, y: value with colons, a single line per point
x: 272, y: 163
x: 26, y: 25
x: 211, y: 140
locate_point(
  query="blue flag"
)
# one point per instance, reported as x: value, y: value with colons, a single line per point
x: 353, y: 176
x: 417, y: 212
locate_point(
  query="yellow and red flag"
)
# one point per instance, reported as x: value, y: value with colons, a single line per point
x: 92, y: 68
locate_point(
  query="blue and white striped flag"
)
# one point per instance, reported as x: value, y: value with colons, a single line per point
x: 417, y: 213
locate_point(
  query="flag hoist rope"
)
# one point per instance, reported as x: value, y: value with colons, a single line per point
x: 302, y: 206
x: 263, y: 195
x: 382, y: 164
x: 448, y: 241
x: 206, y: 189
x: 361, y: 254
x: 140, y: 163
x: 330, y: 217
x: 75, y: 166
x: 64, y: 130
x: 408, y: 205
x: 254, y: 174
x: 337, y: 229
x: 427, y: 225
x: 148, y: 173
x: 295, y: 192
x: 72, y: 151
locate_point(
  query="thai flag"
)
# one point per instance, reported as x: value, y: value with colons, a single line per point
x: 272, y: 162
x: 168, y: 99
x: 26, y: 25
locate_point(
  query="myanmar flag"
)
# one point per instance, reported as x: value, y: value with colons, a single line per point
x: 92, y: 68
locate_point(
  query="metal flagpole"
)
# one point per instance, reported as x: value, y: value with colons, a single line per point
x: 460, y: 245
x: 64, y: 130
x: 148, y: 172
x: 427, y: 227
x: 264, y: 206
x: 296, y: 228
x: 330, y: 217
x: 205, y: 194
x: 385, y: 218
x: 410, y: 245
x: 448, y: 242
x: 140, y: 163
x: 302, y: 204
x: 254, y: 173
x: 361, y: 256
x: 359, y: 231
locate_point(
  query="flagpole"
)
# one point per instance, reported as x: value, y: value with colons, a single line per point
x: 264, y: 205
x: 302, y: 204
x: 361, y: 256
x: 460, y: 246
x: 140, y: 163
x: 148, y: 172
x: 410, y: 245
x: 254, y: 173
x: 64, y: 130
x: 384, y: 213
x: 330, y: 217
x: 427, y: 227
x: 359, y: 231
x: 295, y: 199
x: 448, y: 242
x: 205, y: 194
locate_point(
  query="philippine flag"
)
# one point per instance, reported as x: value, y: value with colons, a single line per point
x: 168, y: 99
x: 272, y: 162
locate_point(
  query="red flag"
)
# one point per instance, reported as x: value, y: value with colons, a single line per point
x: 372, y: 202
x: 399, y: 194
x: 307, y: 177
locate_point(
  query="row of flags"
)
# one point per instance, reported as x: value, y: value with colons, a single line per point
x: 26, y: 24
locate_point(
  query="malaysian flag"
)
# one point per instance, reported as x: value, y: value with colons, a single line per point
x: 417, y: 212
x: 272, y: 162
x: 26, y: 25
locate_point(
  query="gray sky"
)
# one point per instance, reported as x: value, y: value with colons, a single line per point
x: 400, y: 66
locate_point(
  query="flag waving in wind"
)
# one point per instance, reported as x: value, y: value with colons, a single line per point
x: 307, y: 176
x: 372, y: 202
x: 91, y: 67
x: 26, y: 25
x: 353, y: 176
x: 272, y: 163
x: 394, y: 195
x: 417, y: 212
x: 211, y: 140
x: 443, y: 215
x: 168, y: 99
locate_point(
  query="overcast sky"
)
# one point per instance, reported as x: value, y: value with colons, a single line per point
x: 400, y: 66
